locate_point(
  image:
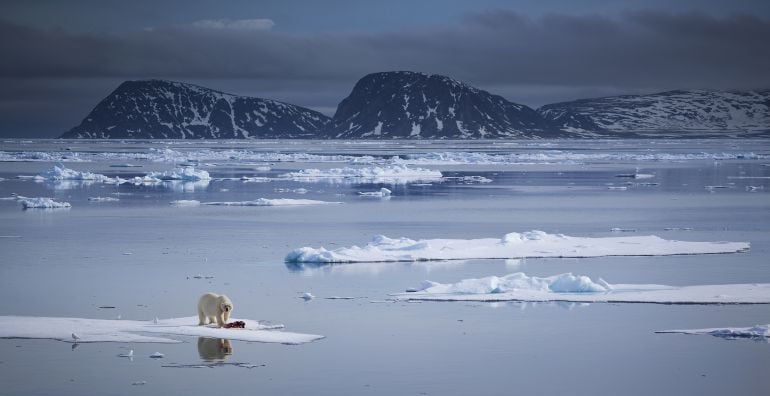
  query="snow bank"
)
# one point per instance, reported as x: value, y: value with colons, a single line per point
x: 572, y: 288
x: 272, y: 202
x: 512, y: 245
x: 384, y: 192
x: 392, y: 174
x: 43, y: 203
x: 758, y: 331
x: 100, y: 330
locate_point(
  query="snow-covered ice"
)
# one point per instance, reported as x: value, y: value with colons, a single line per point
x: 577, y: 288
x: 187, y: 173
x: 61, y: 173
x: 43, y: 203
x: 384, y: 192
x: 758, y: 331
x: 185, y: 202
x: 272, y: 202
x: 102, y: 330
x: 103, y: 199
x: 392, y: 174
x: 512, y: 245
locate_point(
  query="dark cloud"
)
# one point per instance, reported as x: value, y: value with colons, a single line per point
x: 563, y: 54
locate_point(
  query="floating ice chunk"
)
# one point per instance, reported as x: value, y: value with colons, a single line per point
x: 579, y: 288
x: 43, y: 203
x: 618, y: 229
x: 185, y: 202
x: 621, y: 188
x: 512, y: 245
x: 469, y: 179
x: 139, y: 383
x: 103, y: 199
x: 188, y: 173
x: 636, y: 175
x: 130, y: 354
x: 374, y: 174
x: 101, y: 330
x: 384, y: 192
x: 157, y: 355
x: 61, y: 173
x: 272, y: 202
x: 758, y: 331
x: 307, y: 296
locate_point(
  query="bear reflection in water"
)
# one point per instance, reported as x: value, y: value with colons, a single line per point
x: 214, y: 349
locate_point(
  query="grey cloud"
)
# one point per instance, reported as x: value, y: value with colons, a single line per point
x: 528, y: 60
x: 636, y: 49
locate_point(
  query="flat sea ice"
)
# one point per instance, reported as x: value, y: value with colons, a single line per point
x: 512, y: 245
x: 577, y: 288
x: 79, y: 330
x: 758, y: 331
x: 393, y: 174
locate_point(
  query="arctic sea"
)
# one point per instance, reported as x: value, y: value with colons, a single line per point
x: 123, y: 251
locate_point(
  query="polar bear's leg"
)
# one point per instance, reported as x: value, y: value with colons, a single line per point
x: 201, y: 317
x: 220, y: 321
x: 226, y: 315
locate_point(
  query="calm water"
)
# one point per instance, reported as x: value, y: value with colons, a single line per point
x: 141, y: 254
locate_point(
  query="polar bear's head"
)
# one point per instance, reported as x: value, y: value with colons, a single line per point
x: 225, y: 304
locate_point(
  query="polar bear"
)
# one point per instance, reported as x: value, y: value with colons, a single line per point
x: 214, y: 308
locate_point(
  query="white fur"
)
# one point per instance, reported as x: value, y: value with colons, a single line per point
x: 214, y: 308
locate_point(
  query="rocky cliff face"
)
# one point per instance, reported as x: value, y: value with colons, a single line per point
x: 421, y: 106
x: 677, y: 113
x: 157, y: 109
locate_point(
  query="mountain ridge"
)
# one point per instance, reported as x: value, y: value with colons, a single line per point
x: 413, y: 105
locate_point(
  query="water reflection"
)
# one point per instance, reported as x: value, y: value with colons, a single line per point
x: 214, y: 349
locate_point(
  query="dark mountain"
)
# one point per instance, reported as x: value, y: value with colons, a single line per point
x: 422, y: 106
x: 153, y: 109
x: 693, y: 113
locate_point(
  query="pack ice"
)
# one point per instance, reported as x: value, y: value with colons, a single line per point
x: 392, y: 174
x: 101, y: 330
x: 512, y: 245
x: 757, y: 332
x: 579, y: 288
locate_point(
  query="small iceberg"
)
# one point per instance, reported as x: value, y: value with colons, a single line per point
x: 187, y: 173
x: 43, y: 203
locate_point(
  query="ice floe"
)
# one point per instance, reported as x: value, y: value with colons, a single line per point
x: 103, y: 199
x: 43, y: 203
x: 512, y: 245
x: 61, y: 173
x: 392, y: 174
x: 102, y: 330
x: 756, y: 332
x: 383, y: 193
x: 187, y: 173
x: 272, y: 202
x: 185, y: 202
x: 582, y: 289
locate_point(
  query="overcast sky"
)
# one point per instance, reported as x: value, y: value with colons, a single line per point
x: 58, y: 59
